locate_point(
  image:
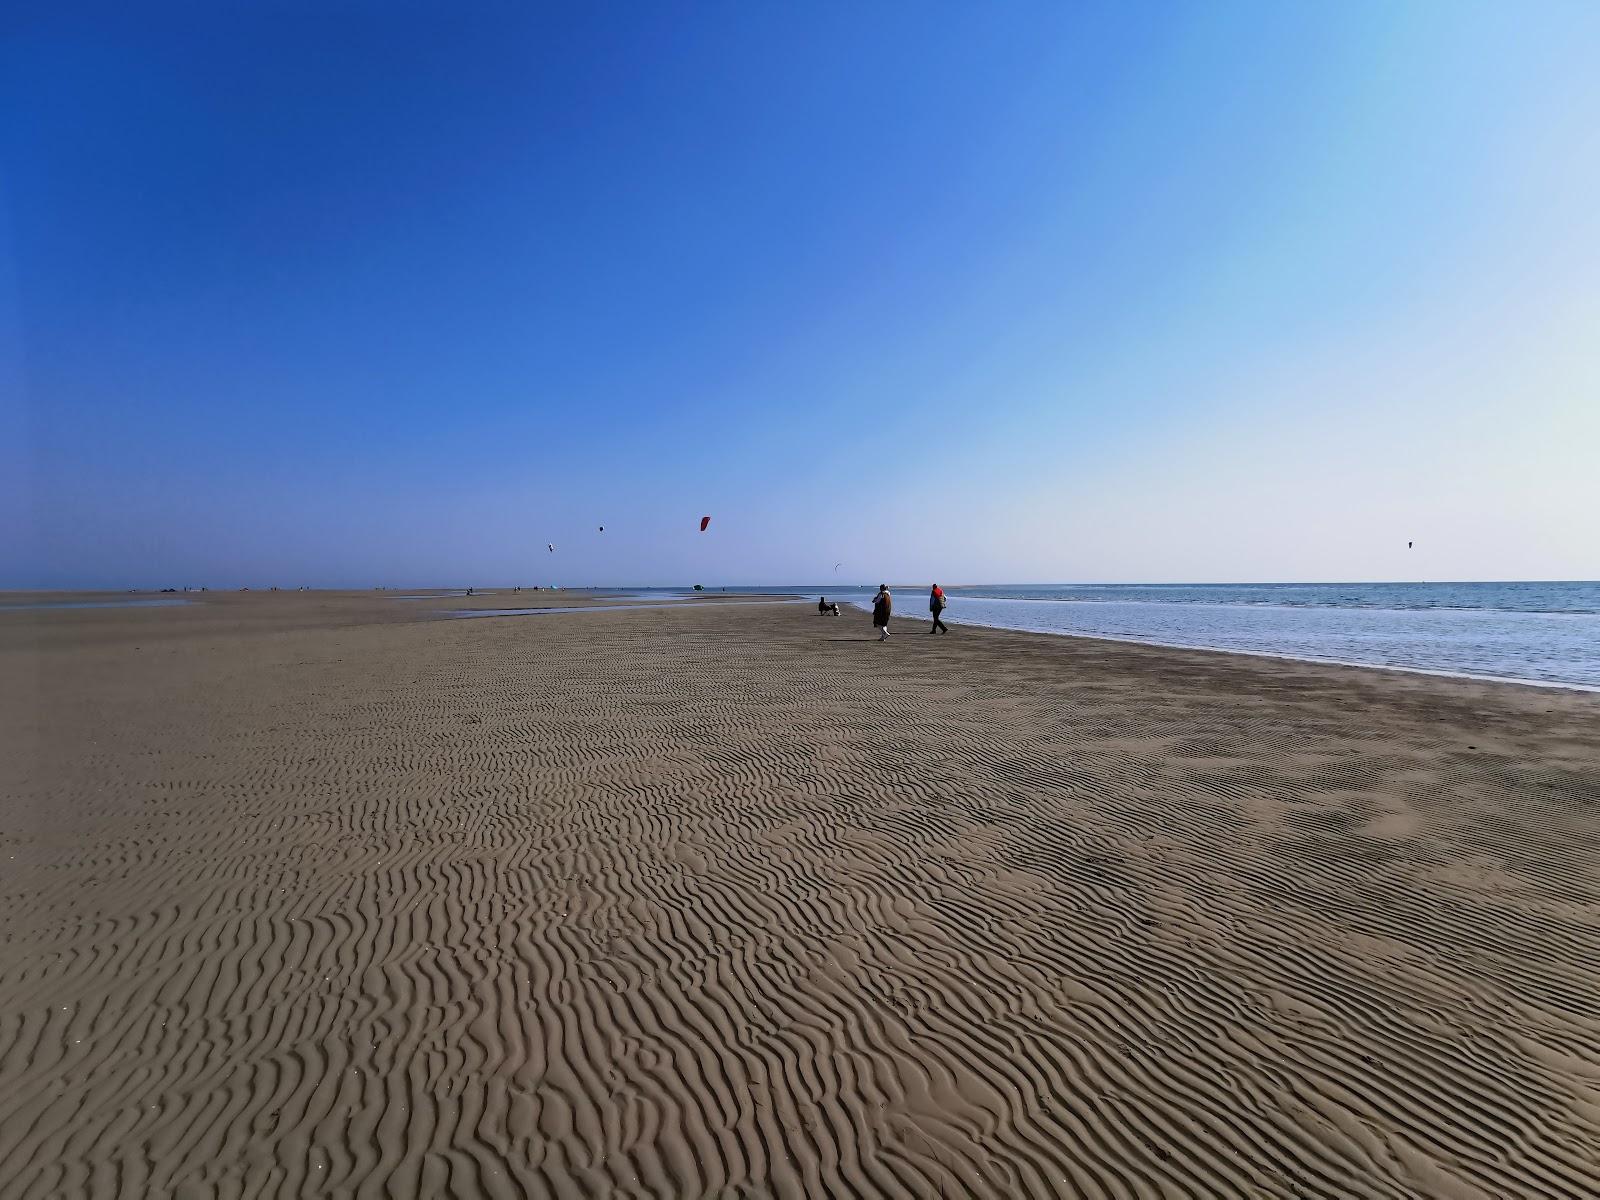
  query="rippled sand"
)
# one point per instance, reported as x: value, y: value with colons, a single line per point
x: 308, y: 894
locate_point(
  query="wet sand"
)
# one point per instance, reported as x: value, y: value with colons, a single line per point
x: 309, y: 894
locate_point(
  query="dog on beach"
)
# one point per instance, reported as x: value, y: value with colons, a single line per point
x: 825, y: 609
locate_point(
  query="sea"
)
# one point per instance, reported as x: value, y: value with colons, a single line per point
x: 1544, y: 633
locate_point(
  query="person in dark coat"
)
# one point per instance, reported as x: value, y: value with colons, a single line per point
x: 882, y: 607
x: 936, y: 606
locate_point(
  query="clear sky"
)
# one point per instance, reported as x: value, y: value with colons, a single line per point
x: 346, y: 294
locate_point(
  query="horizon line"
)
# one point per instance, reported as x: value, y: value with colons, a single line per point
x: 808, y: 585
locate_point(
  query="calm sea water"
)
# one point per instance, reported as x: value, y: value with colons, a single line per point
x: 1579, y: 597
x: 1527, y: 632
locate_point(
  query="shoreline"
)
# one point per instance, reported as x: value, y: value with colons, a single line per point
x: 588, y: 599
x: 1269, y: 654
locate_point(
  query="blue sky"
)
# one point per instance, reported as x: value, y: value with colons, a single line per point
x: 347, y: 294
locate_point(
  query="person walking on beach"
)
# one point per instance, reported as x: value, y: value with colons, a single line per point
x: 936, y: 606
x: 882, y: 606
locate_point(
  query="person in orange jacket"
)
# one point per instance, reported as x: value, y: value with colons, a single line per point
x: 936, y: 606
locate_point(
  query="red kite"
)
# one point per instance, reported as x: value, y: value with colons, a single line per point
x: 704, y: 521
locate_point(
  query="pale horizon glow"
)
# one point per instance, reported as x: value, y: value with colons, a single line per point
x: 397, y: 296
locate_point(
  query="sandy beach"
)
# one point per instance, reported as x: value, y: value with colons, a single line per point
x: 318, y: 894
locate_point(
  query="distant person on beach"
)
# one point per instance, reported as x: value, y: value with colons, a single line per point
x: 824, y: 608
x: 936, y: 606
x: 882, y: 607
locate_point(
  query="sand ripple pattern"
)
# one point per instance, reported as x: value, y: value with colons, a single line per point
x: 738, y: 903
